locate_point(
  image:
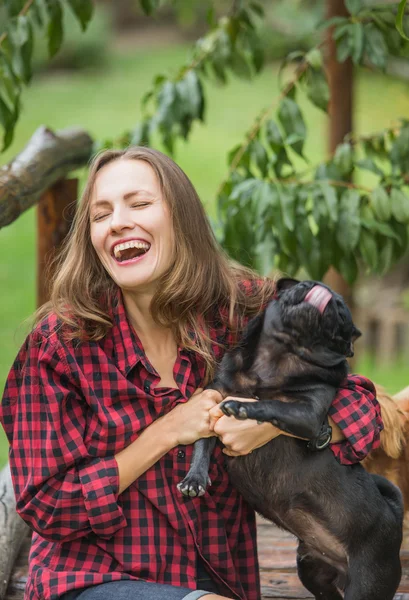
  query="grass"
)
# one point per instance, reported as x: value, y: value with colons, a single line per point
x: 107, y: 102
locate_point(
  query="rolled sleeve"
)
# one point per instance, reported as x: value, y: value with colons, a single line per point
x: 356, y: 411
x: 62, y: 492
x: 100, y: 483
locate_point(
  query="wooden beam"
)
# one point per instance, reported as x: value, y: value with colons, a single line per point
x: 55, y: 213
x: 13, y: 530
x: 47, y: 158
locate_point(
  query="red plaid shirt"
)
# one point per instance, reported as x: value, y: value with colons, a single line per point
x: 68, y: 408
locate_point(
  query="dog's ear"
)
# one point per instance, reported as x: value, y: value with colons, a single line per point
x: 285, y: 283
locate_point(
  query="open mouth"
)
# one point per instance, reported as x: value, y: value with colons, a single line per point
x: 130, y: 250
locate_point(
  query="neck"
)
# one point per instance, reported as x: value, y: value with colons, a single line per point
x: 151, y: 334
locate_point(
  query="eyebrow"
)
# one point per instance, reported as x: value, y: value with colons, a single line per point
x: 103, y: 202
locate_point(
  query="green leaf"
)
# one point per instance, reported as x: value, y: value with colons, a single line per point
x: 376, y: 227
x: 348, y: 267
x: 9, y: 89
x: 357, y: 38
x: 385, y: 257
x: 190, y: 95
x: 245, y: 189
x: 399, y: 154
x: 240, y: 66
x: 257, y: 8
x: 331, y: 200
x: 368, y: 249
x: 314, y: 58
x: 343, y: 158
x: 399, y: 19
x: 381, y: 204
x: 344, y: 46
x: 264, y: 198
x: 353, y: 6
x: 6, y: 120
x: 317, y: 89
x: 140, y: 135
x: 259, y: 156
x: 333, y: 21
x: 55, y: 32
x: 313, y: 225
x: 279, y: 157
x: 166, y: 105
x: 291, y: 119
x: 83, y: 10
x: 149, y: 6
x: 265, y: 252
x: 287, y: 204
x: 369, y: 165
x: 273, y: 135
x: 375, y: 46
x: 348, y: 227
x: 400, y: 205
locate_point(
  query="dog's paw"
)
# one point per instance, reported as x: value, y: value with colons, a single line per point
x: 233, y: 408
x: 193, y: 485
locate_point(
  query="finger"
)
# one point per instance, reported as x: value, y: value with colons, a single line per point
x: 214, y: 395
x: 215, y: 412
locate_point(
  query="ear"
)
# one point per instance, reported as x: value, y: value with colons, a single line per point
x: 285, y: 283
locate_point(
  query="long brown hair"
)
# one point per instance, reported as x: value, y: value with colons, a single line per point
x: 200, y: 278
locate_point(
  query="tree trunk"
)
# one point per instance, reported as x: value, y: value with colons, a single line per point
x: 340, y: 79
x: 13, y: 530
x: 47, y: 158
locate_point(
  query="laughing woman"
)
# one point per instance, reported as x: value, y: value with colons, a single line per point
x: 105, y: 400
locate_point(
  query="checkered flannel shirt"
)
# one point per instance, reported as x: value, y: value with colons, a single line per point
x: 68, y: 409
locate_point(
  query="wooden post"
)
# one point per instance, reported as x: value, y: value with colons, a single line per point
x: 340, y: 80
x: 55, y: 213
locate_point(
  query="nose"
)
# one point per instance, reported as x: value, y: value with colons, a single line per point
x: 121, y: 219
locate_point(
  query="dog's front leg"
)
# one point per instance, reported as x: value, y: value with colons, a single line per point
x: 197, y: 479
x: 302, y: 417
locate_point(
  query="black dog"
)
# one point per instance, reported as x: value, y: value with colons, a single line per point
x: 348, y: 522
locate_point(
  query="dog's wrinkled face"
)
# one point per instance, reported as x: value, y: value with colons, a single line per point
x: 318, y: 316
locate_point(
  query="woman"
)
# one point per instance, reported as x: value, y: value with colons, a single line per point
x: 143, y: 305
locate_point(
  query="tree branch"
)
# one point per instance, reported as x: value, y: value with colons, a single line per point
x: 22, y: 12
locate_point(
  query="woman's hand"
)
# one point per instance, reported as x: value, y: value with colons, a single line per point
x: 241, y: 437
x: 192, y: 420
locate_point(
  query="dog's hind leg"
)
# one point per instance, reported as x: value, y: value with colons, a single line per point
x: 373, y: 578
x: 317, y: 576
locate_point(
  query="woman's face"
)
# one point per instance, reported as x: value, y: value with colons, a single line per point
x: 131, y: 228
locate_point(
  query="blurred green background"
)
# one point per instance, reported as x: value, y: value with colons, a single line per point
x: 97, y: 82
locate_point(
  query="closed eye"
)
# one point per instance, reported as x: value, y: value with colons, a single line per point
x: 138, y: 204
x: 100, y: 217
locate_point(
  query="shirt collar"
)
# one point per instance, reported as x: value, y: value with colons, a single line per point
x: 128, y: 347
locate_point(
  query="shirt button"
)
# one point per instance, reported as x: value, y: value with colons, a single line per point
x: 181, y: 454
x: 146, y: 388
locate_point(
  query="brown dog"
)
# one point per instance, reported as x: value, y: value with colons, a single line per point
x: 391, y: 459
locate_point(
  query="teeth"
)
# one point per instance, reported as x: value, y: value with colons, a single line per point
x: 132, y: 244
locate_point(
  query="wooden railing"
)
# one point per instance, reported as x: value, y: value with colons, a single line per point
x: 385, y: 333
x: 38, y: 175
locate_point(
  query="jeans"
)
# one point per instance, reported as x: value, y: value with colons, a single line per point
x: 134, y: 590
x: 145, y: 590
